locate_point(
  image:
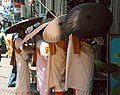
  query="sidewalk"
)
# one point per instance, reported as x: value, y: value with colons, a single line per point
x: 5, y: 70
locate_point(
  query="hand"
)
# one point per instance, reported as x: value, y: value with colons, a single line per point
x: 32, y: 51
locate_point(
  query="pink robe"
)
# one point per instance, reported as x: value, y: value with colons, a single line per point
x: 41, y: 65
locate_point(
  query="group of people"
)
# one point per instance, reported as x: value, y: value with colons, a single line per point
x: 70, y: 64
x: 7, y: 47
x: 59, y: 65
x: 7, y: 37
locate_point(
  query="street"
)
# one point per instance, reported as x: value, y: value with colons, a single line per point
x: 5, y: 70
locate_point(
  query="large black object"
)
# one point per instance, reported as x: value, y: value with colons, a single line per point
x: 23, y: 24
x: 88, y: 20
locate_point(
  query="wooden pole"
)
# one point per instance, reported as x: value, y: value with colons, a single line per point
x: 108, y: 59
x: 35, y: 11
x: 46, y: 8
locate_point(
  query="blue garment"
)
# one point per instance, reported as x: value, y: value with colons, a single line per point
x: 12, y: 79
x: 3, y: 29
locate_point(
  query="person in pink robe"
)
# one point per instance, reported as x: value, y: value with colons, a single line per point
x: 41, y: 65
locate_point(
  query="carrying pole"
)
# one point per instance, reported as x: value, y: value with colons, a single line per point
x: 35, y: 10
x: 46, y: 8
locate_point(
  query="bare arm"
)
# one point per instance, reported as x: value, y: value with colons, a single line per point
x: 27, y: 50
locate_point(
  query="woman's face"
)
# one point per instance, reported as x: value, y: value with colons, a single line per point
x: 0, y: 26
x: 21, y: 34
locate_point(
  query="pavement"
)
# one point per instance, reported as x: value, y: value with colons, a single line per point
x: 5, y: 70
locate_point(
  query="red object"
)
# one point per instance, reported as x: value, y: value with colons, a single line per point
x: 74, y: 91
x: 59, y: 93
x: 17, y: 4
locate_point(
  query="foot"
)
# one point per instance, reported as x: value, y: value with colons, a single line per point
x: 12, y: 85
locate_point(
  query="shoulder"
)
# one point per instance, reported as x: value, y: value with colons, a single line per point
x: 18, y: 39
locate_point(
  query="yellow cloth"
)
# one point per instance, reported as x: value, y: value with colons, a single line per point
x: 17, y: 50
x: 63, y: 44
x: 52, y: 48
x: 34, y: 56
x: 13, y: 60
x: 9, y: 51
x: 8, y: 42
x: 76, y: 44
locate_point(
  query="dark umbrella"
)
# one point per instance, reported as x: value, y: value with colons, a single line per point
x: 39, y: 30
x: 23, y: 24
x: 89, y: 20
x: 55, y: 30
x: 34, y: 32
